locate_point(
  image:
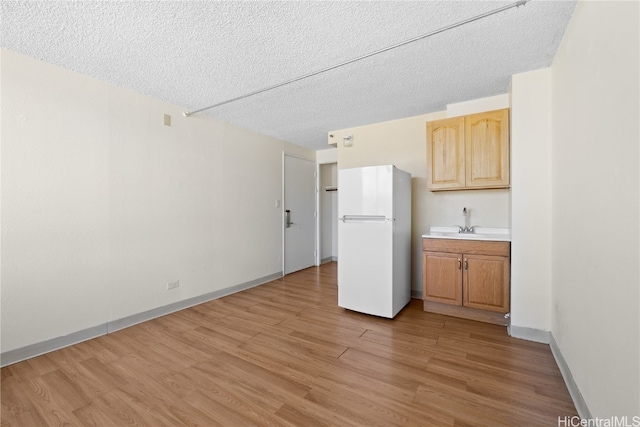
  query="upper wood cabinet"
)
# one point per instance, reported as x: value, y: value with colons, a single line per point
x: 468, y: 152
x: 445, y: 154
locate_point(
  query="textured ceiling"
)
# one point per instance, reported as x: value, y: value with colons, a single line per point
x: 197, y: 53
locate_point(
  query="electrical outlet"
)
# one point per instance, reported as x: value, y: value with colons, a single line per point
x: 173, y: 285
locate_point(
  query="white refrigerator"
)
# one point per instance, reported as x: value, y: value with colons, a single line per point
x: 374, y: 239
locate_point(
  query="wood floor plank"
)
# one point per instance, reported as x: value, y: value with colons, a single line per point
x: 527, y: 400
x: 272, y: 311
x: 305, y: 412
x: 332, y: 348
x: 191, y: 410
x: 334, y: 332
x: 291, y: 362
x: 189, y: 343
x: 359, y: 411
x: 400, y: 352
x: 95, y: 349
x: 175, y: 323
x: 353, y: 382
x: 227, y: 388
x: 284, y: 354
x: 254, y: 375
x: 33, y: 368
x: 117, y: 406
x: 17, y: 408
x: 199, y: 317
x: 468, y: 371
x: 92, y: 376
x: 458, y: 406
x: 51, y: 407
x: 58, y: 387
x: 299, y: 417
x: 229, y: 414
x: 242, y: 327
x: 293, y: 348
x: 114, y: 344
x: 276, y: 362
x: 210, y: 340
x: 368, y: 407
x: 378, y: 368
x: 344, y: 319
x: 471, y: 326
x: 243, y: 300
x: 146, y: 377
x: 93, y: 415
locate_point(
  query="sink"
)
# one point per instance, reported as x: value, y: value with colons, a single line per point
x: 465, y: 235
x: 482, y: 233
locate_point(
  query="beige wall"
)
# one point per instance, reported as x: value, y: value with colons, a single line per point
x: 595, y: 205
x: 531, y: 203
x: 403, y: 144
x: 102, y: 205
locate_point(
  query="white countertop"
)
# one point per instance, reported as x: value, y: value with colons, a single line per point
x: 481, y: 233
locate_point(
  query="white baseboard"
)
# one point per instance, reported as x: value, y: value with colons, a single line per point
x: 529, y: 334
x: 416, y: 294
x: 328, y: 259
x: 14, y: 356
x: 18, y: 355
x: 546, y: 337
x: 574, y: 391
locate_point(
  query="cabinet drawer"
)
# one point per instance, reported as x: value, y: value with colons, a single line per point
x: 479, y: 247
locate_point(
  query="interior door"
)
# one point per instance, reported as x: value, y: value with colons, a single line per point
x: 299, y: 213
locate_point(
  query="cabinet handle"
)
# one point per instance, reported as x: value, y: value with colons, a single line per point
x: 459, y: 264
x: 466, y: 265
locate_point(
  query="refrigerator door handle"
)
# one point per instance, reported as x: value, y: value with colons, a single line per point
x: 365, y: 218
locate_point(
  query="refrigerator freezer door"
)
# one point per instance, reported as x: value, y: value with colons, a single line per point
x: 366, y: 274
x: 366, y: 191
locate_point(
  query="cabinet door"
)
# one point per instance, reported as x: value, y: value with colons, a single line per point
x: 486, y: 282
x: 445, y: 154
x: 442, y: 277
x: 487, y: 144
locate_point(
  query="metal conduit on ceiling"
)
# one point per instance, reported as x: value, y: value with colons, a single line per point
x: 359, y: 58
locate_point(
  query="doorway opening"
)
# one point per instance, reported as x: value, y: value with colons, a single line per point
x: 328, y: 212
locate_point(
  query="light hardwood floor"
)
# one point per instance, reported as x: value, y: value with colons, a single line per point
x: 285, y: 354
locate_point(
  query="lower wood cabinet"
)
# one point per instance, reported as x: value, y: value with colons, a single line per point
x: 467, y: 278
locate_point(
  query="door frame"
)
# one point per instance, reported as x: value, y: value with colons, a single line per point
x: 283, y: 204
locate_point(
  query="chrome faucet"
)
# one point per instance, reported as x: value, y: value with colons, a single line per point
x: 466, y: 218
x: 466, y: 228
x: 471, y: 229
